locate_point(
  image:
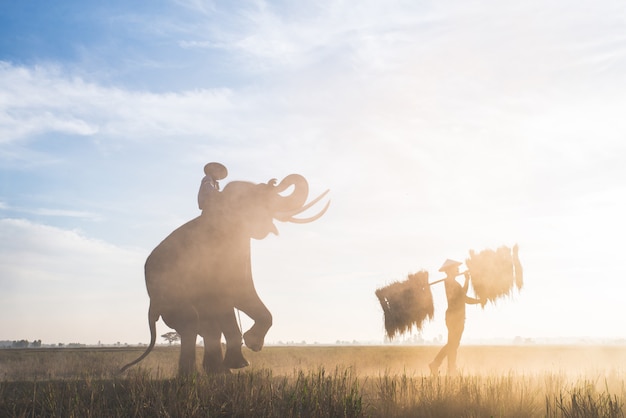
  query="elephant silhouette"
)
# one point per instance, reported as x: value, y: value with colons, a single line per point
x: 199, y: 273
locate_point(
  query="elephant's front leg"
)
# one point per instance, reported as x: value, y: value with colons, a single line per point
x: 234, y: 358
x: 211, y: 333
x: 252, y: 306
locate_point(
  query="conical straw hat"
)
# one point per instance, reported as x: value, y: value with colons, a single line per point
x: 217, y: 171
x: 448, y: 264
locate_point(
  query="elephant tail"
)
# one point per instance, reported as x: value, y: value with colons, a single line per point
x: 153, y: 317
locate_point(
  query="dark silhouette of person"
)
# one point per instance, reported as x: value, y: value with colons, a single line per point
x: 455, y: 315
x: 209, y: 186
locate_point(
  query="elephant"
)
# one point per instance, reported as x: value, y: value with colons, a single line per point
x: 201, y: 272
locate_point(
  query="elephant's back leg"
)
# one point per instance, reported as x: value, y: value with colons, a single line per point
x: 184, y: 319
x: 187, y: 360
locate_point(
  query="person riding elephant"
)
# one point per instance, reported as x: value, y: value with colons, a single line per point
x: 209, y: 185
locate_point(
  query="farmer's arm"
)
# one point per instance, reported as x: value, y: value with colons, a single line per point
x: 470, y: 300
x: 467, y: 280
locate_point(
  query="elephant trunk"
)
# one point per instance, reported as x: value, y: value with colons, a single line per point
x: 296, y: 199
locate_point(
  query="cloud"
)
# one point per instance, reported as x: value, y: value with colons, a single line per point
x: 66, y: 213
x: 35, y: 252
x: 76, y: 287
x: 51, y: 212
x: 44, y: 99
x: 264, y: 38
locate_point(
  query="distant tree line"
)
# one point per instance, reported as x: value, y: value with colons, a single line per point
x: 24, y: 344
x: 170, y: 337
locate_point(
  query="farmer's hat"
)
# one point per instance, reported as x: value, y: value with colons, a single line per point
x: 448, y: 264
x: 216, y: 171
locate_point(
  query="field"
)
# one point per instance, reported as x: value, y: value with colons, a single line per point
x: 308, y: 381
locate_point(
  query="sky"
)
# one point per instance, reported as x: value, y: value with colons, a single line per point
x: 438, y: 127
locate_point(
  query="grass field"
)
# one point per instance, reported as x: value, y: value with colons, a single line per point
x: 331, y: 381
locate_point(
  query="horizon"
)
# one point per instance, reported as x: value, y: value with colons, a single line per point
x: 516, y: 341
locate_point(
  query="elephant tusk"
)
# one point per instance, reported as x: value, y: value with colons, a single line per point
x: 288, y: 216
x: 311, y: 219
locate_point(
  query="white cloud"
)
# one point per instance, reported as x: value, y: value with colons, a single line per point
x: 66, y: 213
x: 44, y: 99
x: 59, y: 285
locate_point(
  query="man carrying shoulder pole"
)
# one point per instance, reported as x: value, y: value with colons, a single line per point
x: 455, y: 315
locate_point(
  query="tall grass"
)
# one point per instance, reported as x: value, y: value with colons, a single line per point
x: 304, y: 394
x: 247, y: 394
x: 69, y: 387
x: 486, y: 396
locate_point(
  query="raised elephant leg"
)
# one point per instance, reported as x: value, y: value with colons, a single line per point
x: 255, y: 309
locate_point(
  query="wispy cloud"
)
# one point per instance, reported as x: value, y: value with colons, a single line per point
x: 66, y: 213
x: 50, y: 212
x: 44, y: 100
x: 48, y: 275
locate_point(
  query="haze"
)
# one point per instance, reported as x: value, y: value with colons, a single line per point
x: 439, y: 128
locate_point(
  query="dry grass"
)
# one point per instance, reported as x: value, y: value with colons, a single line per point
x: 523, y: 381
x: 495, y: 272
x: 406, y: 304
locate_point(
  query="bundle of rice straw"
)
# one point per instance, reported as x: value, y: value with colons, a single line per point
x: 406, y: 304
x: 494, y: 273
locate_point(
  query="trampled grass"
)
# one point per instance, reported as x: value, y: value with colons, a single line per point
x: 313, y: 381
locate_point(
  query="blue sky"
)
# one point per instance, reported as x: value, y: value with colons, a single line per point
x: 438, y: 126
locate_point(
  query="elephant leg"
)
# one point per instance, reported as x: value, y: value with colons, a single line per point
x: 234, y: 358
x: 211, y: 333
x: 185, y: 321
x: 255, y: 309
x: 187, y: 361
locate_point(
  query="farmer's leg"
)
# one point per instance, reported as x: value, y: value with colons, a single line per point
x: 455, y: 331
